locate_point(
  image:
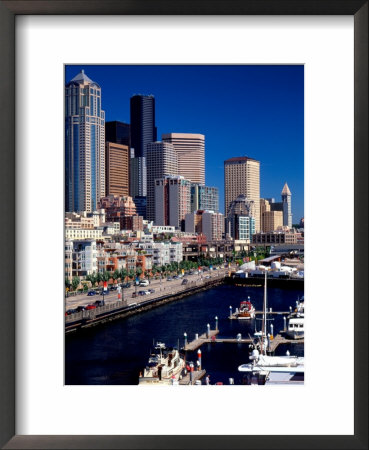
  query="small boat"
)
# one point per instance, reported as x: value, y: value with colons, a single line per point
x: 164, y: 366
x: 246, y: 310
x: 295, y: 325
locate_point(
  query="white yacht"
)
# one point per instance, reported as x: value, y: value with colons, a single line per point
x: 265, y: 369
x: 295, y: 325
x: 164, y: 366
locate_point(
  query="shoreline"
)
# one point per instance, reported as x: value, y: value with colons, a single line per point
x: 121, y: 309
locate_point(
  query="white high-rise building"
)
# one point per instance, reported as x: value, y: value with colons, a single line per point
x: 161, y: 160
x: 84, y: 144
x: 190, y: 149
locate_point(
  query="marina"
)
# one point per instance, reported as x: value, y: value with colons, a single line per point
x: 116, y: 352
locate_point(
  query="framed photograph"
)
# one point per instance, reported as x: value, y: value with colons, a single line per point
x: 186, y: 54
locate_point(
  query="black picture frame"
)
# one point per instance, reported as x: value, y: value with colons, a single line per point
x: 8, y: 11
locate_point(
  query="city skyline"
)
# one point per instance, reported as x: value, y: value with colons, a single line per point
x: 254, y: 111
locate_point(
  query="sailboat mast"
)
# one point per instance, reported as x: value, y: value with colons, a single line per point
x: 265, y: 304
x: 263, y: 328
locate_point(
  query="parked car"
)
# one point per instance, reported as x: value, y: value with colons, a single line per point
x: 141, y: 292
x: 91, y: 293
x: 112, y: 288
x: 147, y: 292
x: 184, y: 281
x: 144, y: 283
x: 169, y: 279
x: 176, y: 277
x: 99, y: 303
x: 80, y: 308
x: 152, y: 291
x: 126, y: 285
x: 88, y: 307
x: 104, y: 292
x: 71, y: 311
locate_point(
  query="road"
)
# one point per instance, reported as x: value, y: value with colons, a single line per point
x: 161, y: 287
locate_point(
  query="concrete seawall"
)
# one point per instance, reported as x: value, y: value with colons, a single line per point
x: 120, y: 310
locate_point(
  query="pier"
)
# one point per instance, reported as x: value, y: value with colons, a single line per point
x: 196, y: 375
x: 233, y: 316
x: 203, y: 339
x: 275, y: 341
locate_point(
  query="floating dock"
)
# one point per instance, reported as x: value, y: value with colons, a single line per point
x: 277, y: 313
x: 205, y: 339
x: 196, y: 375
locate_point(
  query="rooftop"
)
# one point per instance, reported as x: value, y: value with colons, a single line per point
x: 286, y: 190
x: 82, y: 78
x: 240, y: 159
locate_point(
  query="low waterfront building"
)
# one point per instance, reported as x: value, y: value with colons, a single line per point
x: 282, y: 236
x: 80, y: 258
x: 163, y: 252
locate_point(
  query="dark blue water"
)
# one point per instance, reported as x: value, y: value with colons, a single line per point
x: 116, y: 352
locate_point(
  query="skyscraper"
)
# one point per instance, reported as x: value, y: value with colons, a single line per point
x: 190, y: 149
x: 161, y: 161
x: 286, y: 200
x: 240, y: 221
x: 84, y: 144
x: 143, y: 129
x: 143, y: 132
x: 204, y: 197
x: 242, y: 176
x: 117, y: 163
x: 172, y: 200
x: 118, y: 132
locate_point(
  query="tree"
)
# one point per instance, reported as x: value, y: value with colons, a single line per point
x: 123, y: 274
x: 116, y: 274
x: 75, y: 283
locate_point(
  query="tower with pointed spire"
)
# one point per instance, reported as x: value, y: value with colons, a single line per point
x: 286, y: 202
x: 84, y: 144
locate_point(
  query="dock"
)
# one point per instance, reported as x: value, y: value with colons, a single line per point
x: 196, y: 343
x: 279, y: 339
x: 196, y: 375
x: 212, y: 339
x: 258, y: 313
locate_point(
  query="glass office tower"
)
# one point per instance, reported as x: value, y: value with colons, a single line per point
x: 84, y: 144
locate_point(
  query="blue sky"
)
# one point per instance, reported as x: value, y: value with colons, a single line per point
x: 255, y: 111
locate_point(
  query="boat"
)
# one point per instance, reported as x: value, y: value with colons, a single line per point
x: 246, y: 310
x: 265, y: 369
x: 295, y: 325
x: 164, y: 366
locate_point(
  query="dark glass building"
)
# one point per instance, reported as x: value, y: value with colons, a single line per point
x: 118, y: 132
x: 143, y: 129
